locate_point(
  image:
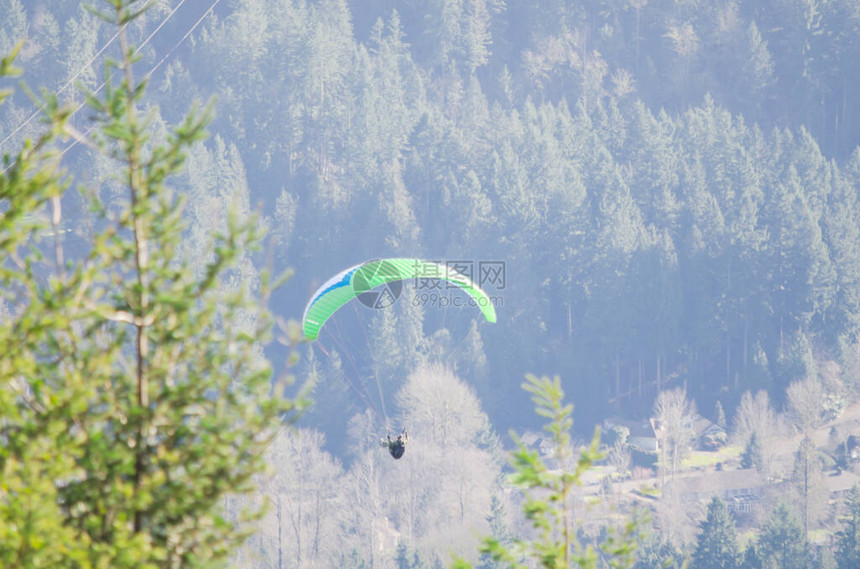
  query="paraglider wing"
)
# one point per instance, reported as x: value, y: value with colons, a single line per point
x: 362, y: 278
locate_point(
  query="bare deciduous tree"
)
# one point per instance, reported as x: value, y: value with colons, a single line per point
x: 805, y: 403
x: 835, y: 391
x: 441, y: 407
x: 673, y: 417
x: 450, y: 477
x: 621, y: 459
x: 304, y: 490
x: 808, y: 487
x: 755, y: 415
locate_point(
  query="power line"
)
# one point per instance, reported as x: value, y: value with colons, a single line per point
x: 61, y: 89
x: 185, y: 37
x: 82, y: 137
x: 154, y: 68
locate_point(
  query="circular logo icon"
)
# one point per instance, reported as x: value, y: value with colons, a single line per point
x: 377, y: 284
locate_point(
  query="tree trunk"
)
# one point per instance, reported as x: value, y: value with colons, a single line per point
x: 569, y: 321
x: 317, y: 520
x: 728, y: 360
x: 280, y: 541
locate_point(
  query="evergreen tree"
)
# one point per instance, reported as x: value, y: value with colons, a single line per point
x: 717, y: 544
x: 781, y: 543
x: 477, y: 38
x: 719, y: 415
x: 499, y: 531
x: 446, y: 24
x: 81, y: 37
x: 135, y: 398
x: 848, y: 537
x: 842, y: 231
x: 14, y: 28
x: 808, y: 483
x: 402, y: 560
x: 752, y: 559
x: 414, y: 561
x: 795, y: 359
x: 825, y: 558
x: 248, y: 32
x: 752, y: 454
x: 799, y: 261
x: 46, y: 36
x: 33, y: 528
x: 352, y: 560
x: 758, y: 68
x: 548, y: 496
x: 652, y: 552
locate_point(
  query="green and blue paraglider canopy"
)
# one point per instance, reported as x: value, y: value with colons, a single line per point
x: 361, y: 279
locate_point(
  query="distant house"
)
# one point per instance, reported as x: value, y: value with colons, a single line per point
x: 529, y: 438
x: 713, y: 437
x: 743, y: 504
x: 578, y: 440
x: 699, y: 425
x: 642, y: 436
x: 544, y: 445
x: 839, y: 485
x: 725, y: 484
x: 536, y: 441
x: 853, y: 447
x: 707, y: 435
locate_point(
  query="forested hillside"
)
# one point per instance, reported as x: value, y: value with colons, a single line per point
x: 670, y: 187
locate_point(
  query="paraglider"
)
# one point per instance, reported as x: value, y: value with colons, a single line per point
x: 359, y: 282
x: 397, y: 447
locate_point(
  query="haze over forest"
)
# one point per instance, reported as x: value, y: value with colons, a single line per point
x: 664, y: 193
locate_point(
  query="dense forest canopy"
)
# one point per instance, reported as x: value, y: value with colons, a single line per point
x: 670, y: 185
x: 666, y: 190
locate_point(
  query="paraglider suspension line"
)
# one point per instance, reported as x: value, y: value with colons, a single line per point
x: 365, y: 396
x: 375, y: 366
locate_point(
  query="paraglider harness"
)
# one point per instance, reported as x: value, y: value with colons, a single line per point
x: 397, y: 447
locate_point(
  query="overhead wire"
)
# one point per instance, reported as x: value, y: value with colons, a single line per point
x: 183, y: 38
x: 82, y: 137
x: 61, y: 89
